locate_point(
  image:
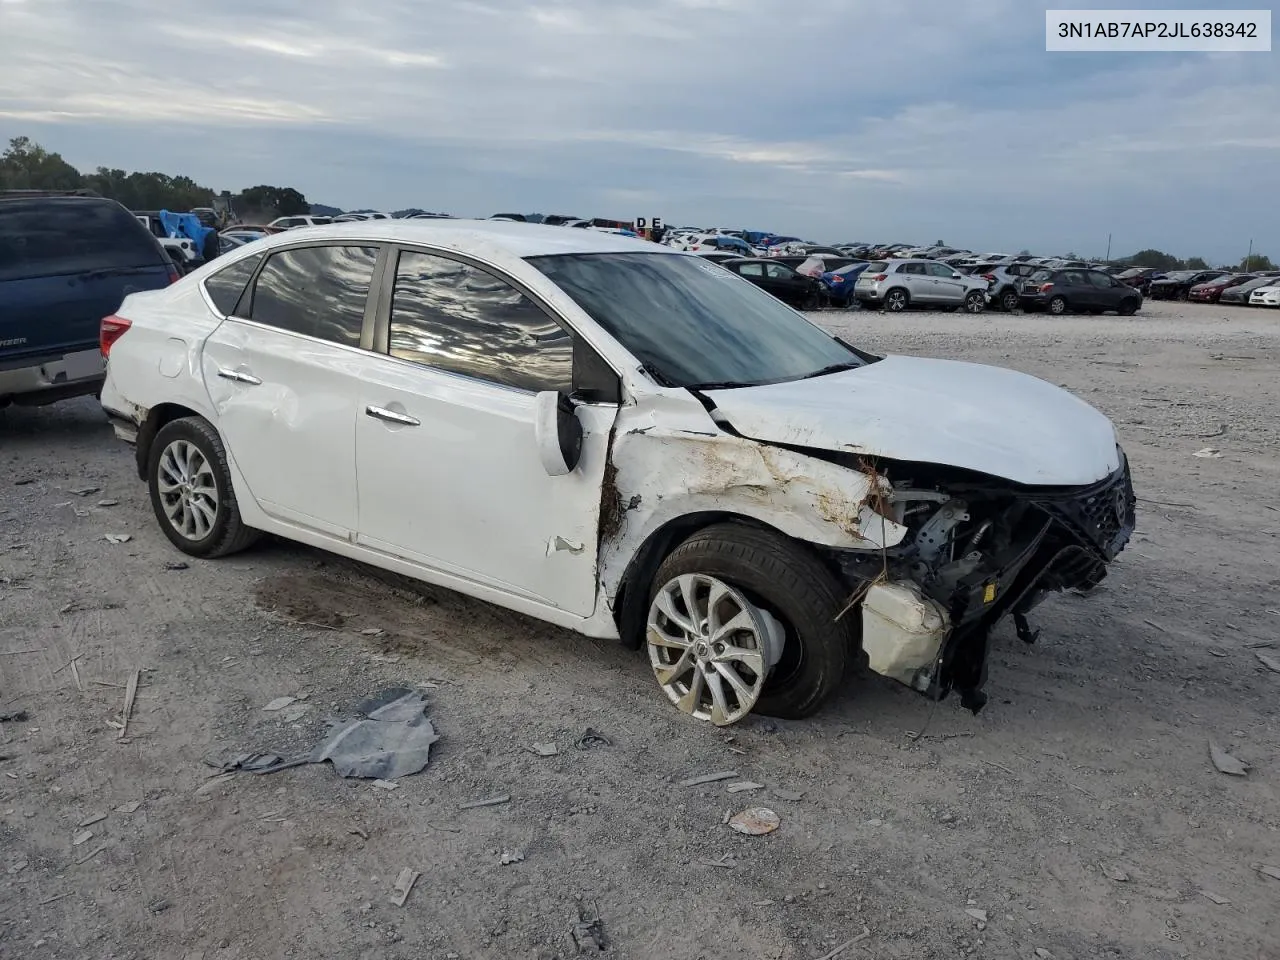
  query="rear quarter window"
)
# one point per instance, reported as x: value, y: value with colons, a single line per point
x: 226, y: 286
x: 877, y: 266
x: 57, y: 236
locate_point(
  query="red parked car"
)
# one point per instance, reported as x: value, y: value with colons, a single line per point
x: 1211, y: 291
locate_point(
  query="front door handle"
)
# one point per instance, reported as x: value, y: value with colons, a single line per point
x: 238, y: 376
x: 382, y: 413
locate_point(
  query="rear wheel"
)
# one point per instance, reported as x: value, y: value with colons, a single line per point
x: 191, y: 494
x: 742, y: 619
x: 1057, y: 306
x: 975, y: 302
x: 896, y: 300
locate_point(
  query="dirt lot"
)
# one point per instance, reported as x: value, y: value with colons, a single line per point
x: 1079, y: 812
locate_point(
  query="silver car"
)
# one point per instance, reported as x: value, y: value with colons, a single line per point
x: 898, y: 284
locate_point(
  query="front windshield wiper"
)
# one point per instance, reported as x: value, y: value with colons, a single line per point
x: 720, y: 385
x: 833, y: 368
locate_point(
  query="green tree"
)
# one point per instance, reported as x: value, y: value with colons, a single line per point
x: 285, y: 201
x: 28, y: 166
x: 291, y: 203
x: 1156, y: 258
x: 1257, y: 261
x: 1196, y: 263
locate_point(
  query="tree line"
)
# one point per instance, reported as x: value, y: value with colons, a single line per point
x: 26, y: 165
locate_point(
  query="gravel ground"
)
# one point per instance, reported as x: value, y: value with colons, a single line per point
x: 1079, y: 814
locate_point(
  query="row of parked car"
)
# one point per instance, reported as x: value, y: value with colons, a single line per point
x: 1258, y: 288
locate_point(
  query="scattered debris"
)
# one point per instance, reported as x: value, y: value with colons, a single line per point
x: 976, y: 914
x: 18, y: 867
x: 23, y: 481
x: 84, y: 491
x: 709, y: 778
x: 207, y: 787
x: 1214, y: 652
x: 792, y: 795
x: 1226, y: 763
x: 488, y: 802
x: 130, y: 807
x: 592, y: 738
x: 727, y: 862
x: 175, y: 565
x: 118, y: 537
x: 1261, y: 644
x: 358, y: 832
x: 130, y: 694
x: 84, y: 836
x: 755, y: 821
x: 372, y: 632
x: 588, y: 932
x: 832, y: 954
x: 1271, y: 663
x: 18, y: 716
x: 108, y: 503
x: 1214, y: 898
x: 511, y: 857
x: 1208, y: 453
x: 90, y: 821
x: 744, y: 785
x: 1043, y: 954
x: 1267, y: 870
x: 1115, y: 873
x: 387, y: 785
x: 159, y: 906
x: 279, y: 703
x: 91, y: 854
x: 544, y: 749
x: 61, y: 896
x: 404, y: 885
x: 295, y: 712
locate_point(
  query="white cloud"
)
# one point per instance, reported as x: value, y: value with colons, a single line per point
x: 811, y: 118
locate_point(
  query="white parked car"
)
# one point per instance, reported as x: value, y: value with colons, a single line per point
x: 1265, y: 296
x: 288, y: 223
x: 896, y: 285
x: 620, y: 439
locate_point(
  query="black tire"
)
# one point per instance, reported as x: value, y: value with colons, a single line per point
x: 1009, y: 300
x: 228, y: 533
x: 1057, y: 306
x: 1128, y: 307
x: 795, y: 587
x: 896, y: 300
x: 975, y: 302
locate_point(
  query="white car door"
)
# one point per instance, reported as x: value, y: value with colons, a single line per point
x: 282, y: 372
x: 448, y: 469
x: 948, y: 287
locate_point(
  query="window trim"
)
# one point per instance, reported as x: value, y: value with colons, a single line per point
x: 381, y: 329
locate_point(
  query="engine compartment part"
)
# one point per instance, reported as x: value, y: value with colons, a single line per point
x: 903, y: 632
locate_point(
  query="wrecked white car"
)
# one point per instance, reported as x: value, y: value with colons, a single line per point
x: 620, y: 439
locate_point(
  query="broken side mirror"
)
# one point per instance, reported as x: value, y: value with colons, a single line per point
x: 558, y: 433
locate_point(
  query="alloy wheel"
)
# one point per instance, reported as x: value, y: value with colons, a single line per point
x: 711, y: 649
x: 188, y: 491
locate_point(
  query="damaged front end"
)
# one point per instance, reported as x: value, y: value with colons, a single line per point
x: 977, y: 550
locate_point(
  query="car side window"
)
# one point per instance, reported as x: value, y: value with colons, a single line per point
x: 317, y: 291
x: 751, y: 269
x: 777, y: 271
x: 1099, y: 279
x: 940, y: 270
x: 226, y: 286
x: 458, y: 318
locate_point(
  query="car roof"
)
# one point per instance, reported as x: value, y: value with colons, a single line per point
x: 512, y: 237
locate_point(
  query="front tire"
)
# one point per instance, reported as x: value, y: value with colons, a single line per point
x: 1128, y: 307
x: 1057, y: 306
x: 191, y: 494
x: 778, y: 593
x: 975, y: 302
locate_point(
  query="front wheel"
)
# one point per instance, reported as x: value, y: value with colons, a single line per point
x: 1057, y: 306
x: 742, y: 619
x: 975, y: 302
x: 1009, y: 301
x: 1128, y: 307
x: 191, y: 494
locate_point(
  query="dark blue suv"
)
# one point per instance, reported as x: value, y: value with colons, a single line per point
x: 66, y: 261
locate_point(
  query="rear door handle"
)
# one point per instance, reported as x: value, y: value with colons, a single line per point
x: 239, y: 377
x: 382, y: 413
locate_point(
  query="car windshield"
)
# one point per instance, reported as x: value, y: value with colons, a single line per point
x: 691, y: 323
x: 850, y: 268
x: 877, y: 266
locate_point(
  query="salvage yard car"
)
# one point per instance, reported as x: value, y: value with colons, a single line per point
x: 896, y: 285
x: 620, y: 439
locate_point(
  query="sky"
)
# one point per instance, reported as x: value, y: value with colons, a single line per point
x: 835, y: 120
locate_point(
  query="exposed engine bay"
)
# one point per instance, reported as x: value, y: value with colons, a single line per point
x: 978, y: 550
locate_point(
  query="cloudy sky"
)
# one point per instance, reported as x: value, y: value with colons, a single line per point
x: 834, y: 119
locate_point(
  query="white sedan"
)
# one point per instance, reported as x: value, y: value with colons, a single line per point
x: 1268, y: 296
x: 617, y: 438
